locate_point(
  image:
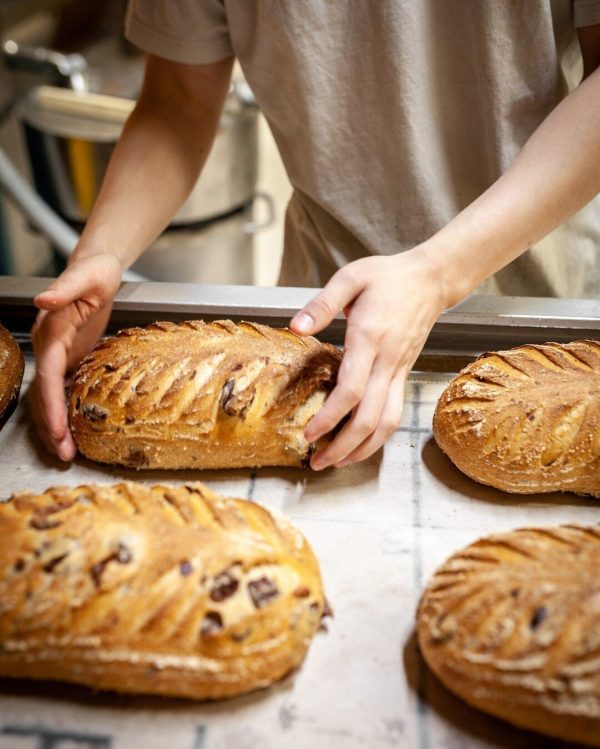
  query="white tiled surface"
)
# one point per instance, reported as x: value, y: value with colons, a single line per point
x: 379, y: 529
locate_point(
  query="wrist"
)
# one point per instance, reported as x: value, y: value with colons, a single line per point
x: 86, y: 250
x: 457, y: 271
x: 436, y: 275
x: 100, y: 272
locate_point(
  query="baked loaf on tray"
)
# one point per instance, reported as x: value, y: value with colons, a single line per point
x: 526, y: 420
x: 201, y: 395
x: 12, y: 366
x: 512, y: 625
x: 158, y: 590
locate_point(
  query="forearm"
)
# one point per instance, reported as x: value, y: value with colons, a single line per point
x: 147, y: 180
x: 154, y: 167
x: 556, y: 174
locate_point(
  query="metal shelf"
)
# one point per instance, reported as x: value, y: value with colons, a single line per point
x: 478, y: 324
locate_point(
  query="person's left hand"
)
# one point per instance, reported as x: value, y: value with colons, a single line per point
x: 390, y: 304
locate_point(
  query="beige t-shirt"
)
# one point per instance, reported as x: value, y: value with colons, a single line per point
x: 392, y: 115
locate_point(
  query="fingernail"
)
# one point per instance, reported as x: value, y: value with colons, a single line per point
x: 63, y: 455
x: 317, y: 465
x: 303, y: 322
x: 64, y: 450
x: 46, y: 297
x: 343, y: 463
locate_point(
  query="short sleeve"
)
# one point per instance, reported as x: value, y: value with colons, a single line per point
x: 586, y: 12
x: 194, y: 32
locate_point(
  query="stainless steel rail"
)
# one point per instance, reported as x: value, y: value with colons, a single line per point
x: 478, y: 324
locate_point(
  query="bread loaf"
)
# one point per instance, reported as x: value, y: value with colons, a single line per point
x: 161, y: 590
x: 12, y: 366
x: 512, y: 625
x: 526, y: 420
x: 201, y: 395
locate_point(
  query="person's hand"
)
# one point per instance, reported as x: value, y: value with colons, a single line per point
x: 390, y: 304
x: 74, y: 312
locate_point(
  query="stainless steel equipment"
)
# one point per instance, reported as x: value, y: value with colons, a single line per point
x: 478, y: 324
x: 68, y: 67
x: 214, y: 252
x: 71, y: 137
x: 378, y: 528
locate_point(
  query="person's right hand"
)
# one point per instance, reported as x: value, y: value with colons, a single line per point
x: 74, y: 311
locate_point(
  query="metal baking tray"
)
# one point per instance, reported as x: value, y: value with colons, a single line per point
x: 475, y: 325
x: 379, y: 529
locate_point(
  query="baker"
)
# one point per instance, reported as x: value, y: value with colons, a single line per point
x: 431, y: 147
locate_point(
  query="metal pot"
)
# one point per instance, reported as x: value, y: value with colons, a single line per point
x: 71, y: 135
x: 220, y: 251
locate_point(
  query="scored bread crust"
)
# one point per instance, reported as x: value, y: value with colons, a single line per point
x: 160, y: 590
x: 12, y: 366
x: 201, y: 395
x: 526, y: 420
x: 512, y: 625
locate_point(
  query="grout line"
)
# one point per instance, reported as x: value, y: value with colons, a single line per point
x: 414, y: 430
x: 415, y: 468
x: 251, y: 486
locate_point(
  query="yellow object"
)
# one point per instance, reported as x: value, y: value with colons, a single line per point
x: 81, y: 162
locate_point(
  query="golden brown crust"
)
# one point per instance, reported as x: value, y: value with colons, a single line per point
x: 201, y: 395
x: 12, y: 366
x: 512, y: 625
x: 162, y: 590
x: 526, y: 420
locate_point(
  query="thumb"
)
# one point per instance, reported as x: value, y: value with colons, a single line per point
x: 338, y: 294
